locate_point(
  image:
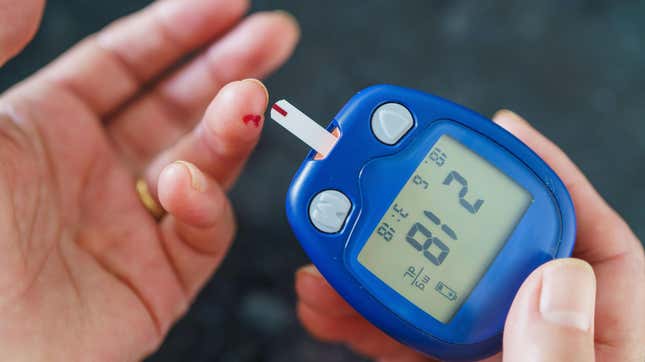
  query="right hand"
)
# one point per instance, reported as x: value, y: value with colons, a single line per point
x: 552, y: 318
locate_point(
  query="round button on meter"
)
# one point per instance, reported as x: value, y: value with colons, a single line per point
x: 445, y: 223
x: 328, y: 210
x: 390, y: 122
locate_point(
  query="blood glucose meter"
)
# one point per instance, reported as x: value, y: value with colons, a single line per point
x: 425, y: 216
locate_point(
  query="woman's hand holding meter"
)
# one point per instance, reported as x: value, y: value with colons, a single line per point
x: 86, y: 273
x: 567, y: 310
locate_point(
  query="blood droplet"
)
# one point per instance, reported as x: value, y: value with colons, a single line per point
x: 252, y: 118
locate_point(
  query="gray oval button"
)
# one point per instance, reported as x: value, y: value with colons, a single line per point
x: 390, y: 122
x: 328, y: 211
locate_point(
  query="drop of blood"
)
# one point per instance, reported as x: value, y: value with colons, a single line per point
x: 252, y: 118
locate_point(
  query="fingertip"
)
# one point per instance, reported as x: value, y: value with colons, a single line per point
x: 242, y: 6
x: 552, y: 315
x: 173, y: 182
x: 504, y: 113
x: 20, y: 21
x: 567, y: 298
x: 309, y: 270
x: 288, y: 28
x: 282, y: 21
x: 263, y: 87
x: 237, y: 112
x: 308, y: 281
x: 257, y: 46
x: 189, y: 195
x: 208, y: 17
x: 509, y: 119
x: 292, y: 22
x: 570, y: 264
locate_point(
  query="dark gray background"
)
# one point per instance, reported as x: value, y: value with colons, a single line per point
x: 575, y: 69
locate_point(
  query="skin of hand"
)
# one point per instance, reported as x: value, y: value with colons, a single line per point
x: 580, y: 309
x: 19, y: 21
x: 86, y: 274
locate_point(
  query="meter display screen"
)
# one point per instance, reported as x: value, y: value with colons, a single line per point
x: 444, y: 228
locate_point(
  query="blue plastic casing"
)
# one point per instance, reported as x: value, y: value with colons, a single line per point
x: 372, y: 173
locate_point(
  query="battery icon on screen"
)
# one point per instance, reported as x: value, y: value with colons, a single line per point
x: 446, y: 291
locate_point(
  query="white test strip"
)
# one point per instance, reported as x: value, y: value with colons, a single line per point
x: 303, y: 127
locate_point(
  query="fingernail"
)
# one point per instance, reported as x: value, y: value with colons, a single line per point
x: 197, y: 179
x: 568, y: 294
x: 266, y: 91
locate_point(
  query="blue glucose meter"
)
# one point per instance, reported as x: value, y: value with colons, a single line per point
x: 427, y: 217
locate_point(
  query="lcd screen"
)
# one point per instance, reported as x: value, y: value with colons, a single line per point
x: 444, y: 228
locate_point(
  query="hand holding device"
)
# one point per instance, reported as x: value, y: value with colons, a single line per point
x: 617, y: 325
x: 427, y: 218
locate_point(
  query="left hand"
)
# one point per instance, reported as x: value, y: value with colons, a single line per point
x: 86, y: 274
x: 19, y: 21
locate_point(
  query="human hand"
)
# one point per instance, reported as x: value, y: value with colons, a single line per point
x: 86, y: 274
x: 18, y: 23
x: 564, y: 311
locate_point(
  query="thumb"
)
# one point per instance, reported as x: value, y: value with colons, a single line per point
x: 553, y: 314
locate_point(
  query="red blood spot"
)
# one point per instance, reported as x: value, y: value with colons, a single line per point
x: 279, y: 110
x: 252, y: 118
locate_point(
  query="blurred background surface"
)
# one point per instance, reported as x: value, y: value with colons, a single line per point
x: 575, y: 69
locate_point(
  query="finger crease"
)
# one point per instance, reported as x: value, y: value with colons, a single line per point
x: 173, y: 264
x: 197, y: 250
x: 139, y: 295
